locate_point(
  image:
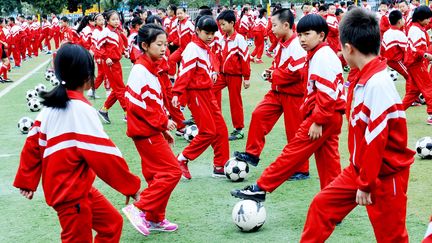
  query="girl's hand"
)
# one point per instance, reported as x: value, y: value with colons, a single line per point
x: 169, y: 138
x: 109, y: 62
x: 175, y: 101
x: 246, y: 84
x: 315, y: 131
x: 214, y: 77
x: 363, y: 198
x: 171, y: 125
x: 27, y: 193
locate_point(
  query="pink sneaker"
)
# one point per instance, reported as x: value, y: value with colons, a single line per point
x: 164, y: 225
x: 136, y: 218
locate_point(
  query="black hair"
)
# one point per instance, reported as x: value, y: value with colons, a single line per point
x: 204, y: 7
x: 84, y: 22
x: 29, y: 18
x: 148, y: 34
x: 109, y: 14
x: 207, y: 23
x: 44, y: 16
x: 22, y: 16
x: 12, y: 19
x: 315, y: 3
x: 2, y: 20
x: 65, y: 19
x: 149, y: 13
x: 360, y: 29
x: 351, y: 7
x: 338, y: 12
x: 323, y: 8
x: 152, y: 19
x: 78, y: 20
x: 342, y: 4
x: 136, y: 21
x: 96, y: 16
x: 74, y: 66
x: 330, y: 4
x: 385, y: 2
x: 285, y: 15
x: 227, y: 15
x: 259, y: 5
x: 205, y: 11
x: 261, y: 12
x: 403, y: 1
x: 277, y: 7
x: 162, y: 9
x: 173, y: 8
x: 244, y: 10
x: 395, y: 16
x: 313, y: 22
x: 421, y: 13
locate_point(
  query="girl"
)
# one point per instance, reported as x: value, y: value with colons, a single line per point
x: 85, y: 31
x: 259, y: 34
x: 112, y: 45
x: 245, y: 23
x: 195, y: 81
x: 68, y: 147
x: 133, y: 50
x: 148, y: 127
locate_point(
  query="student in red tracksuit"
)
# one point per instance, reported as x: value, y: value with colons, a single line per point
x: 112, y: 44
x: 148, y: 126
x: 15, y: 42
x: 133, y: 49
x: 259, y: 30
x: 333, y: 26
x: 25, y: 37
x: 417, y: 60
x: 172, y: 27
x: 285, y: 96
x: 428, y: 234
x: 67, y: 147
x: 3, y: 52
x: 85, y: 30
x: 34, y: 39
x: 55, y: 31
x: 377, y: 176
x: 46, y: 33
x: 273, y: 39
x: 234, y: 70
x: 384, y: 21
x: 67, y: 34
x: 195, y: 81
x: 245, y: 24
x: 322, y: 109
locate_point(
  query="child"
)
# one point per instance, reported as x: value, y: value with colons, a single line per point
x: 394, y: 44
x: 133, y: 49
x: 245, y: 23
x: 35, y: 32
x: 322, y: 111
x: 383, y: 15
x: 234, y: 60
x: 148, y: 126
x: 333, y: 25
x: 172, y: 27
x: 112, y: 44
x: 68, y: 147
x: 377, y: 176
x: 46, y: 33
x: 417, y: 61
x: 67, y: 33
x: 259, y: 34
x: 3, y: 52
x: 195, y: 81
x: 286, y: 94
x: 15, y: 42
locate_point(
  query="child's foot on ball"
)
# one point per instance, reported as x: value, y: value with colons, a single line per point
x: 251, y: 192
x: 164, y: 225
x: 247, y: 157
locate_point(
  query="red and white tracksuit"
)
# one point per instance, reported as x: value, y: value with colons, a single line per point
x: 408, y: 19
x: 428, y: 234
x: 4, y: 68
x: 146, y: 123
x: 245, y: 26
x: 35, y: 38
x: 384, y: 23
x: 15, y: 44
x: 324, y: 105
x: 273, y: 39
x: 55, y: 31
x: 46, y: 34
x: 101, y: 65
x: 68, y: 148
x: 417, y: 65
x: 195, y: 82
x: 259, y: 31
x: 393, y: 47
x: 133, y: 48
x: 333, y: 33
x: 285, y: 97
x: 86, y: 39
x: 380, y: 161
x: 111, y: 44
x: 166, y: 21
x: 172, y: 29
x: 185, y: 30
x: 234, y: 66
x: 25, y: 39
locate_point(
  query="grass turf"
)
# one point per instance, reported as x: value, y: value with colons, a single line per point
x: 202, y: 207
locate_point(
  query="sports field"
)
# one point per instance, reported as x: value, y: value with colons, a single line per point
x: 202, y: 206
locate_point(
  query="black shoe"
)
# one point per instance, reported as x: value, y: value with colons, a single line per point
x: 1, y: 80
x: 246, y: 157
x: 189, y: 122
x: 251, y: 192
x: 104, y: 116
x: 298, y: 176
x: 236, y: 134
x: 7, y: 80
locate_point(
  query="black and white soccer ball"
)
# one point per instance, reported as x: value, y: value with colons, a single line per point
x: 236, y: 170
x: 249, y: 215
x: 424, y: 148
x: 40, y: 88
x: 393, y: 75
x: 30, y: 94
x: 49, y: 74
x: 421, y: 99
x: 34, y: 104
x: 25, y: 124
x: 54, y: 81
x: 250, y: 42
x: 190, y: 132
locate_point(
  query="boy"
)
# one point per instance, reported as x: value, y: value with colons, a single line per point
x: 285, y: 96
x: 417, y: 61
x: 333, y: 25
x: 394, y: 43
x: 322, y: 112
x: 15, y: 33
x: 234, y: 70
x: 377, y: 176
x: 46, y: 33
x: 383, y: 15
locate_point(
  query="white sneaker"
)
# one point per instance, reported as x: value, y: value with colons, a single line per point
x: 138, y: 222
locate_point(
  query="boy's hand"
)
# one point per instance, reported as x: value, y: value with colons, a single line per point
x: 27, y: 193
x: 109, y: 62
x: 169, y: 138
x: 363, y: 198
x: 246, y: 83
x: 315, y: 131
x: 171, y: 125
x: 175, y: 101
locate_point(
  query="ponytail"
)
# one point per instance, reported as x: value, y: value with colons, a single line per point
x: 56, y: 98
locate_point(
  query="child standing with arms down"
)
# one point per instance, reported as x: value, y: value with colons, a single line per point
x: 195, y: 81
x: 322, y: 111
x: 377, y: 176
x: 148, y: 126
x: 68, y: 147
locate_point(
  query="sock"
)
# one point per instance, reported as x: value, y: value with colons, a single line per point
x: 104, y: 109
x: 181, y: 157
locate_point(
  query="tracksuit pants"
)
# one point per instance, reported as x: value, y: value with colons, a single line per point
x: 94, y: 212
x: 234, y: 84
x: 175, y: 112
x: 265, y: 116
x: 24, y: 46
x: 400, y: 68
x: 387, y: 212
x: 56, y: 38
x: 259, y: 45
x: 273, y: 41
x: 101, y: 76
x: 211, y: 125
x: 115, y: 77
x: 162, y: 173
x: 16, y: 54
x: 420, y: 82
x: 300, y: 148
x: 47, y: 41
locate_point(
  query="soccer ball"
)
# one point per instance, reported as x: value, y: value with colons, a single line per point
x: 236, y: 170
x: 249, y: 215
x: 49, y: 74
x: 40, y: 87
x: 55, y: 81
x: 190, y: 132
x: 424, y: 147
x: 394, y: 75
x: 250, y: 42
x: 422, y: 99
x: 31, y: 94
x: 24, y: 125
x: 34, y: 104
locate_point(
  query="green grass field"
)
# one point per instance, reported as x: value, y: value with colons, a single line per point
x: 202, y: 206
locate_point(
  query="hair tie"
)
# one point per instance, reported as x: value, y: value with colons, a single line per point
x: 63, y: 82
